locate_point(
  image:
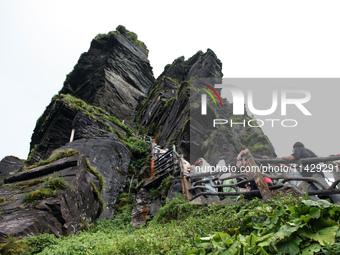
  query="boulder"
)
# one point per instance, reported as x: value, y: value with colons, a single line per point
x: 111, y: 159
x: 9, y: 165
x: 64, y: 211
x: 141, y: 208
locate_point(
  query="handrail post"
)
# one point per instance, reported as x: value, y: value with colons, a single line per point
x: 153, y: 159
x: 258, y: 177
x: 185, y: 183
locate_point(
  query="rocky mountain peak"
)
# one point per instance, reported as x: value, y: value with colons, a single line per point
x: 87, y: 138
x: 202, y: 65
x: 114, y: 74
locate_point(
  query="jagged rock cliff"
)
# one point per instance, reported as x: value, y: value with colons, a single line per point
x: 37, y: 201
x: 113, y: 82
x: 114, y: 74
x: 169, y: 114
x: 166, y: 112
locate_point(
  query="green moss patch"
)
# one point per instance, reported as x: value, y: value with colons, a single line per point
x: 99, y: 198
x: 47, y: 189
x: 55, y: 156
x: 98, y: 175
x: 95, y: 112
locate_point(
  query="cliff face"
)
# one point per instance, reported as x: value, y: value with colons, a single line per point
x: 172, y: 114
x: 166, y: 112
x: 114, y: 74
x: 112, y: 82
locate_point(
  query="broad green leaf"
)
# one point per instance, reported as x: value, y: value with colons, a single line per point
x: 289, y: 246
x: 311, y: 249
x: 204, y: 242
x: 322, y: 223
x: 261, y: 251
x: 266, y: 240
x: 324, y: 235
x: 197, y: 252
x: 310, y: 203
x: 324, y: 203
x: 241, y: 213
x: 338, y: 233
x: 218, y: 242
x: 229, y: 242
x: 234, y: 248
x: 223, y: 236
x: 314, y: 212
x: 307, y: 217
x: 251, y: 239
x: 285, y: 231
x: 280, y: 211
x: 300, y: 221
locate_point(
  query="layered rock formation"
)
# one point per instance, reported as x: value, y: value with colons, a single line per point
x: 114, y: 74
x: 31, y: 205
x: 174, y: 119
x: 113, y: 82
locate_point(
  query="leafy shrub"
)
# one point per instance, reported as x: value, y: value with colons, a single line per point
x: 12, y: 246
x: 175, y: 209
x: 154, y: 194
x: 38, y: 243
x: 307, y: 227
x: 140, y: 152
x: 121, y: 220
x: 124, y: 199
x: 278, y: 226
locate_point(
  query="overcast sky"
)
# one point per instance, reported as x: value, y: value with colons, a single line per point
x: 41, y: 41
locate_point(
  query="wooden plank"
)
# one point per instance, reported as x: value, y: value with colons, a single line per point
x: 152, y: 159
x: 258, y: 177
x: 185, y: 182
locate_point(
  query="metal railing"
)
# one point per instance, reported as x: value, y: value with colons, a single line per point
x: 194, y: 184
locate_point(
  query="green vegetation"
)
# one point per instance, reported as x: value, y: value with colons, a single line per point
x: 154, y: 194
x: 140, y: 152
x: 99, y: 198
x: 216, y: 136
x: 37, y: 195
x: 123, y: 200
x: 121, y: 30
x: 33, y: 150
x: 54, y: 157
x: 255, y: 142
x: 103, y: 37
x: 164, y: 187
x: 278, y: 226
x: 50, y: 185
x: 95, y: 112
x: 55, y: 183
x: 98, y: 175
